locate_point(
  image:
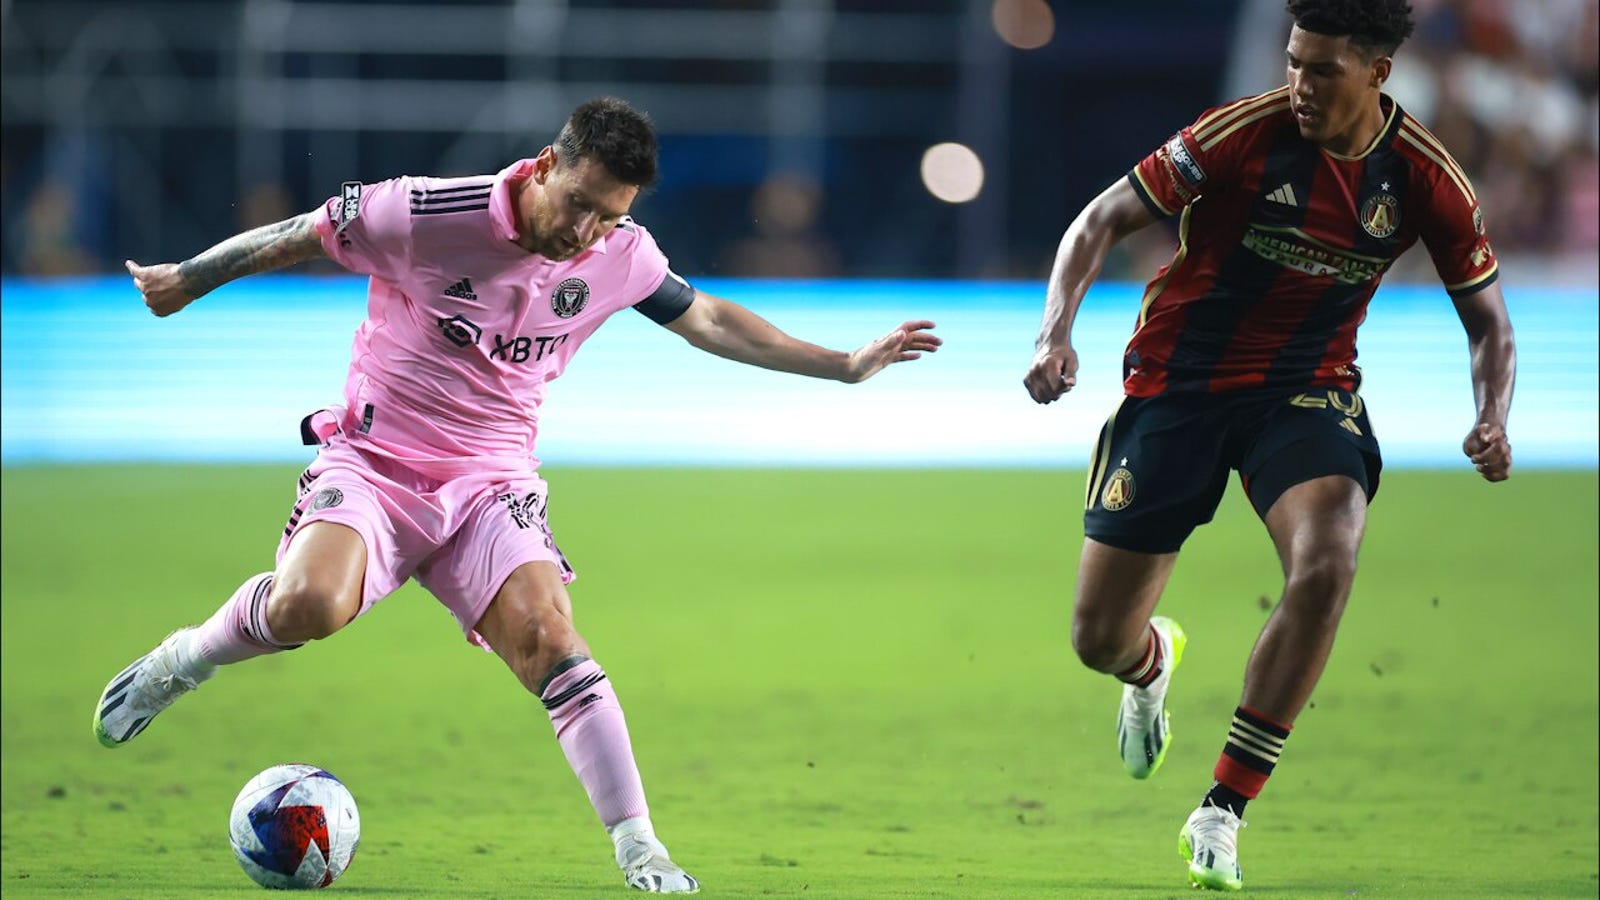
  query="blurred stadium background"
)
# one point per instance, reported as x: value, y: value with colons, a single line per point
x: 935, y: 147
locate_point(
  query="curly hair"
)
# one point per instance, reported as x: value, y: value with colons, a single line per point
x: 1376, y: 27
x: 614, y: 134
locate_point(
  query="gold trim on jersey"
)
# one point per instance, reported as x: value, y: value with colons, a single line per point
x: 1212, y: 121
x: 1149, y: 194
x: 1097, y: 461
x: 1430, y: 147
x: 1432, y: 140
x: 1387, y: 122
x: 1452, y: 288
x: 1160, y: 284
x: 1222, y: 135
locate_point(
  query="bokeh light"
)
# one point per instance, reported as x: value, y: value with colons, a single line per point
x: 952, y: 172
x: 1024, y: 24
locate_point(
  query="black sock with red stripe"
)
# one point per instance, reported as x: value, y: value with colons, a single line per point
x: 1249, y: 756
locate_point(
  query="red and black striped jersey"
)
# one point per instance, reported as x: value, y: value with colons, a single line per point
x: 1281, y: 244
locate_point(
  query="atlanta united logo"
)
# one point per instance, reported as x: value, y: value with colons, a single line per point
x: 1119, y: 491
x: 1380, y: 215
x: 569, y: 298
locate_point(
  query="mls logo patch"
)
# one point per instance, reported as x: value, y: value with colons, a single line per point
x: 326, y: 498
x: 569, y: 298
x: 1380, y: 215
x: 1119, y: 491
x: 349, y: 205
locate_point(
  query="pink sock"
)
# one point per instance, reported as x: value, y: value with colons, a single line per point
x: 239, y: 631
x: 589, y: 724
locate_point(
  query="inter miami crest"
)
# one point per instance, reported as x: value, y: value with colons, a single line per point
x: 569, y: 298
x: 1380, y: 215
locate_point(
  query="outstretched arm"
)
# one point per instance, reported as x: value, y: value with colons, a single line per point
x: 1494, y: 375
x: 1110, y: 217
x: 729, y: 330
x: 169, y: 287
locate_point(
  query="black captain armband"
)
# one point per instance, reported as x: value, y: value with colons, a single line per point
x: 668, y: 301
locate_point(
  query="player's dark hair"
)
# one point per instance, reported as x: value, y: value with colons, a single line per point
x: 1375, y: 27
x: 614, y: 134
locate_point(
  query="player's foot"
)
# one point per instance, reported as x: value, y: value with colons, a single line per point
x: 1142, y: 721
x: 646, y: 866
x: 1210, y: 842
x: 146, y: 688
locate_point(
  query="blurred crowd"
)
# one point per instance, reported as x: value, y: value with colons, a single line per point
x: 1510, y: 87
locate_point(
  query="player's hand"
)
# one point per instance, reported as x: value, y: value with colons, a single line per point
x: 1053, y: 373
x: 908, y: 342
x: 162, y: 287
x: 1490, y: 452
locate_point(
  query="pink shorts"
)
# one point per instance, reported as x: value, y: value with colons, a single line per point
x: 461, y: 538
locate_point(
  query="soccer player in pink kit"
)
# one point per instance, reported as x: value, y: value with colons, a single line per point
x: 481, y: 290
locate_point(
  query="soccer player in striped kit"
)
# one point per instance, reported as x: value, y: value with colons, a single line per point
x: 481, y: 289
x: 1291, y: 207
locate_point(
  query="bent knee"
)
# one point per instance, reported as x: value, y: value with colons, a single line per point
x: 298, y: 611
x: 1101, y: 646
x: 539, y: 646
x: 1323, y: 584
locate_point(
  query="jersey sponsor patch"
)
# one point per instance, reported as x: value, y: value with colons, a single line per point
x: 1294, y: 249
x: 1184, y: 162
x: 349, y: 205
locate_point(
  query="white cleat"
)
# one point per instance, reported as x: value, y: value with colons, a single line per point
x: 646, y: 866
x: 1143, y: 731
x: 1210, y: 843
x: 147, y: 687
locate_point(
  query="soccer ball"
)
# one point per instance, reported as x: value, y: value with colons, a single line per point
x: 294, y: 827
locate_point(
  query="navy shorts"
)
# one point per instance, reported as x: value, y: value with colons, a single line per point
x: 1161, y: 463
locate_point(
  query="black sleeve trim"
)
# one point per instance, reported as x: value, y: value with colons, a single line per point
x: 667, y: 302
x: 1473, y: 289
x: 1148, y: 201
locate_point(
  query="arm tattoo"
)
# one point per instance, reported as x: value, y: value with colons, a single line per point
x: 258, y: 250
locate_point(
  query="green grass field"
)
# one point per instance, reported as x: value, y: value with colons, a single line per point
x: 840, y: 684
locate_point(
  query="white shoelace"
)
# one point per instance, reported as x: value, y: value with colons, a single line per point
x: 163, y: 688
x: 1217, y: 830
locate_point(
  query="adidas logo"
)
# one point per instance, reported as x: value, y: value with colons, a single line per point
x: 461, y: 290
x: 1284, y: 195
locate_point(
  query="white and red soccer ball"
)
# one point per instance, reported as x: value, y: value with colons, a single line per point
x: 294, y: 827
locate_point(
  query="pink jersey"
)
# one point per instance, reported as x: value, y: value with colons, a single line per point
x: 464, y: 328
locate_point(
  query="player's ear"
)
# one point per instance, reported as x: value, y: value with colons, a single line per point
x: 1380, y: 70
x: 544, y: 164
